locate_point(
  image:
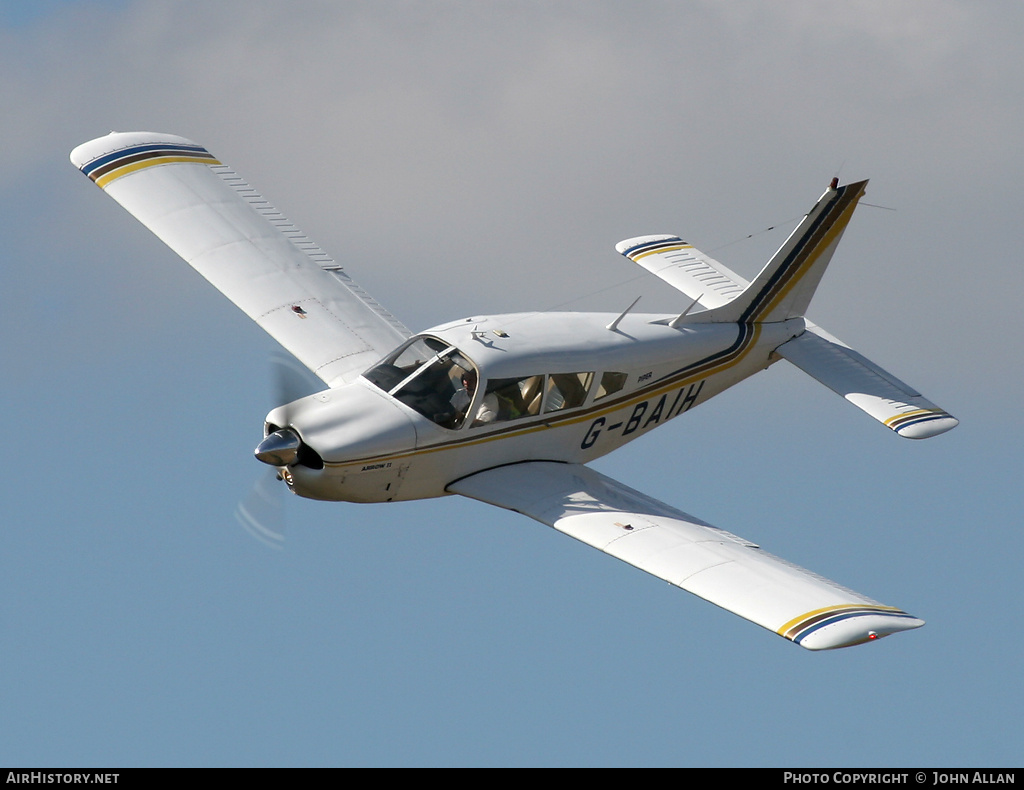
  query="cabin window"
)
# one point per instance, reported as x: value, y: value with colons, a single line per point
x: 509, y: 399
x: 610, y: 384
x: 566, y: 390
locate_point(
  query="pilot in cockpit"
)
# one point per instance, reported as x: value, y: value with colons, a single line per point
x: 463, y: 397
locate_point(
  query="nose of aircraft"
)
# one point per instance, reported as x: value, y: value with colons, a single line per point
x: 352, y: 422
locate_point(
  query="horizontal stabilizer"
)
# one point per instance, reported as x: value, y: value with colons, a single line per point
x: 685, y: 268
x: 709, y: 562
x: 867, y: 386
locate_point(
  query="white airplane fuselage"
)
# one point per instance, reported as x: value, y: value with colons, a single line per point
x: 375, y: 448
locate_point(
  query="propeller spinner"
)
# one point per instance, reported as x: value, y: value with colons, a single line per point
x: 281, y: 448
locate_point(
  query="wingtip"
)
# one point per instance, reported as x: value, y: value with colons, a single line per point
x: 929, y: 427
x: 858, y: 631
x: 108, y: 143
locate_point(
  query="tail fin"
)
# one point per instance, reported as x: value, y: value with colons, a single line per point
x: 786, y: 284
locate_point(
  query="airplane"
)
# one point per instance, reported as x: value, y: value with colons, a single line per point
x: 509, y: 409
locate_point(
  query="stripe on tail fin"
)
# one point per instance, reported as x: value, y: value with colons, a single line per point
x: 786, y: 284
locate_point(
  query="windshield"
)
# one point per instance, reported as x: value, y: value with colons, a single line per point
x: 430, y: 376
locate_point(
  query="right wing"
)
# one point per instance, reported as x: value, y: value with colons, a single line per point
x: 709, y: 562
x: 214, y: 220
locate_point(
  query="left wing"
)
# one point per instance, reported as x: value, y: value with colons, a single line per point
x: 709, y: 562
x: 233, y: 237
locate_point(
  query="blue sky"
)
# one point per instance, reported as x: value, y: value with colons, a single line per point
x: 466, y: 159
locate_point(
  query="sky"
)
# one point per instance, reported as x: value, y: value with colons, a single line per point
x: 471, y: 158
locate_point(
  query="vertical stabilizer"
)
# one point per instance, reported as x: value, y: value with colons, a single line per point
x: 786, y: 284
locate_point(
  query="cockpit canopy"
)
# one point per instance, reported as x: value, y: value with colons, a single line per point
x: 440, y: 382
x: 427, y: 375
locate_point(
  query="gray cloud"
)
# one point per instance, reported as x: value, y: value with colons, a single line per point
x: 493, y: 153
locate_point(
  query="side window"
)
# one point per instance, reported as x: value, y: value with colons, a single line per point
x: 566, y: 390
x: 509, y: 399
x: 610, y: 384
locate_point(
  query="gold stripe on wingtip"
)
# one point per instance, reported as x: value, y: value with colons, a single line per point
x: 915, y: 413
x: 661, y: 250
x: 113, y: 175
x: 800, y: 620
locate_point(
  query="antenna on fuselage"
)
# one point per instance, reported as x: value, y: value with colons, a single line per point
x: 679, y: 318
x: 614, y: 324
